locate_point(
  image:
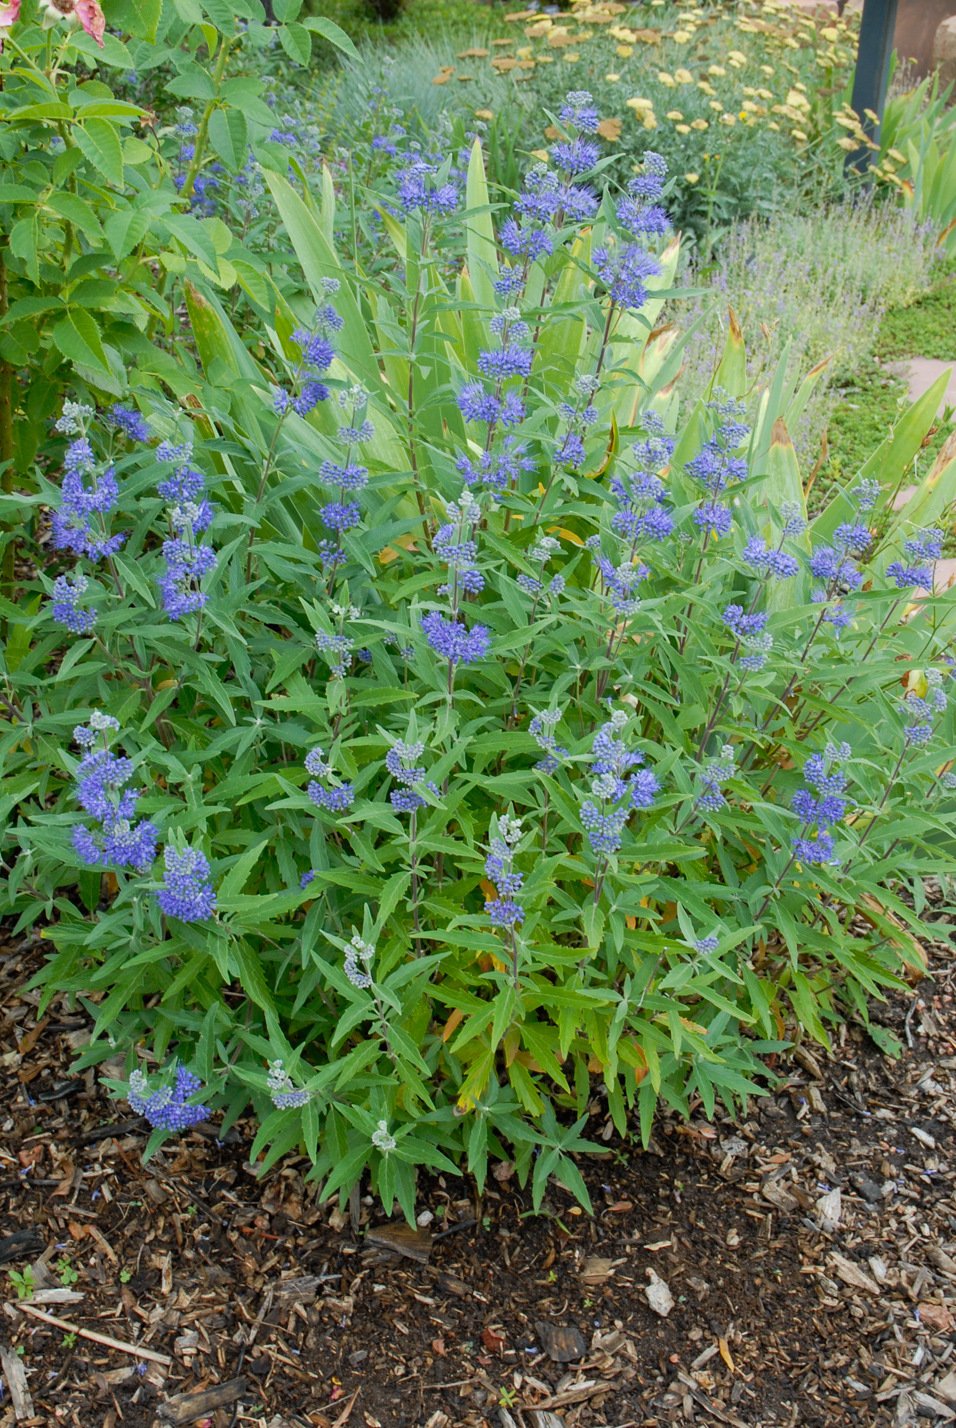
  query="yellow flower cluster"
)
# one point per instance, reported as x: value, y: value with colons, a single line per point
x: 755, y: 85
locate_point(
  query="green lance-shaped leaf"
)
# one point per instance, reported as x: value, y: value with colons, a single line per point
x: 731, y: 374
x: 889, y: 462
x: 783, y: 486
x: 319, y: 260
x: 481, y: 251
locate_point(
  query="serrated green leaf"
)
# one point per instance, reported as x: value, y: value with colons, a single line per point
x: 101, y: 143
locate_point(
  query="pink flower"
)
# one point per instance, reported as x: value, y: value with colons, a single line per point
x: 9, y: 15
x: 91, y: 18
x: 75, y: 12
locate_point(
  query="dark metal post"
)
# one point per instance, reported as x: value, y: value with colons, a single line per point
x: 877, y: 29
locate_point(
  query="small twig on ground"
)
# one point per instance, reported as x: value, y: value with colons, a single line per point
x: 108, y: 1342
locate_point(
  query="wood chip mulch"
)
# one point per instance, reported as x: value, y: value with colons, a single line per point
x: 793, y: 1270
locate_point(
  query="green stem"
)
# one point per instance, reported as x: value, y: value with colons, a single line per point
x: 6, y: 446
x: 192, y: 173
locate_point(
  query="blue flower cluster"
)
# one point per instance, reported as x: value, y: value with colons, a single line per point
x: 579, y: 416
x: 751, y: 634
x: 455, y: 545
x: 346, y: 476
x: 334, y: 797
x: 425, y: 188
x: 770, y: 562
x: 503, y: 909
x: 307, y: 388
x: 188, y: 558
x: 641, y: 516
x: 168, y: 1108
x: 642, y: 512
x: 549, y: 201
x: 88, y: 494
x: 285, y: 1095
x: 542, y: 729
x: 401, y: 761
x: 337, y: 646
x: 718, y: 465
x: 706, y: 944
x: 102, y: 792
x: 539, y: 554
x: 625, y: 268
x: 187, y: 893
x: 499, y: 470
x: 453, y: 640
x: 836, y: 567
x: 130, y: 422
x: 202, y: 198
x: 68, y: 591
x: 359, y: 956
x: 712, y: 777
x: 821, y: 806
x: 618, y: 785
x: 921, y: 550
x: 921, y: 711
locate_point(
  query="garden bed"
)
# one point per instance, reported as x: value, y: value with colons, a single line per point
x: 776, y: 1320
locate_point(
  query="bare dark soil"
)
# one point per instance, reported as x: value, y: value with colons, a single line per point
x: 233, y: 1300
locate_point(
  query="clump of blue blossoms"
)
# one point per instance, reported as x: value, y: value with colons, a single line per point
x: 359, y: 957
x: 498, y: 470
x: 712, y: 778
x: 324, y: 789
x: 750, y: 633
x: 579, y: 417
x: 718, y: 466
x: 822, y: 805
x: 641, y: 510
x: 770, y: 562
x: 541, y: 729
x: 101, y: 791
x: 625, y: 268
x: 453, y: 640
x: 188, y: 558
x: 504, y: 911
x: 68, y: 591
x: 640, y: 518
x: 307, y: 387
x: 346, y: 476
x: 835, y: 565
x: 338, y: 647
x: 402, y: 762
x: 423, y: 187
x: 455, y: 545
x: 168, y: 1108
x: 88, y: 494
x: 187, y: 892
x: 130, y: 422
x: 921, y: 551
x: 285, y: 1095
x: 539, y: 554
x: 618, y: 786
x: 922, y: 711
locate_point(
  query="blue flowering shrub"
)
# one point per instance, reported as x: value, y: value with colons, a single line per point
x: 437, y: 738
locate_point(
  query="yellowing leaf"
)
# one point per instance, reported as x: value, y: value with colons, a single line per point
x: 452, y: 1024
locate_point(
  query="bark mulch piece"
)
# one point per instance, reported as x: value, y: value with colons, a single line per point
x: 793, y: 1270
